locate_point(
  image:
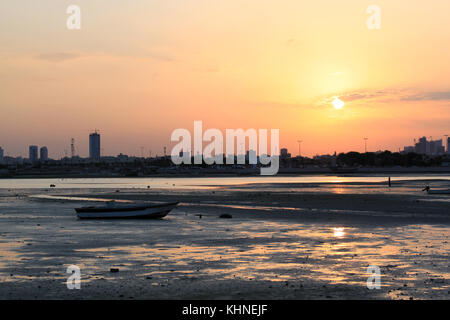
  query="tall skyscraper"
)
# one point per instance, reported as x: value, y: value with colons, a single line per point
x: 33, y: 153
x: 448, y: 144
x: 94, y: 146
x: 44, y: 154
x: 421, y: 146
x: 437, y: 147
x: 1, y: 155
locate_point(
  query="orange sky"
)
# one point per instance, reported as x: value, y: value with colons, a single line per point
x: 139, y: 69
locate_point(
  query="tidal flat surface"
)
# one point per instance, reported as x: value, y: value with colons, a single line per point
x: 285, y: 241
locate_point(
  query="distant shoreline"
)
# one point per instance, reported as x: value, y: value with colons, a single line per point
x: 283, y: 172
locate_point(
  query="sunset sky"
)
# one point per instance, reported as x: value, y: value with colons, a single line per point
x: 137, y: 70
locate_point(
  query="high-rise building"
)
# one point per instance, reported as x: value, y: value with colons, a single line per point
x: 94, y: 146
x: 284, y: 153
x: 448, y: 144
x: 33, y: 153
x: 436, y: 147
x: 428, y: 147
x: 421, y: 146
x: 43, y: 154
x: 408, y: 149
x: 1, y: 155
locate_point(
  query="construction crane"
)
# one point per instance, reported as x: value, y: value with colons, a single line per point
x: 299, y: 147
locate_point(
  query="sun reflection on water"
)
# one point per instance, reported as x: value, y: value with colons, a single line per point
x: 338, y: 232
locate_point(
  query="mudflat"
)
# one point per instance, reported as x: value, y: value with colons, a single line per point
x: 284, y: 241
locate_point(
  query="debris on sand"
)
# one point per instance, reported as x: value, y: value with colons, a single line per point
x: 226, y: 216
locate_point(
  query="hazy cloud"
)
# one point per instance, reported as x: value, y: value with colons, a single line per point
x: 206, y: 69
x: 65, y: 56
x: 290, y: 42
x: 385, y: 96
x: 58, y: 56
x: 389, y: 95
x: 434, y: 96
x: 161, y: 56
x: 367, y: 95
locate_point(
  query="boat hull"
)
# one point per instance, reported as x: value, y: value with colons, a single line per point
x: 438, y: 191
x: 141, y: 212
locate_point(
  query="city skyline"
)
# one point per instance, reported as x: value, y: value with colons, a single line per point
x: 95, y: 152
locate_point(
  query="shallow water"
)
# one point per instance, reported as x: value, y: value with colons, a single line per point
x: 208, y: 182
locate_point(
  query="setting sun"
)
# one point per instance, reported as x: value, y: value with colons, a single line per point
x: 338, y: 104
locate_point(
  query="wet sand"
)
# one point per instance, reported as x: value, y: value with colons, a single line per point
x: 290, y: 241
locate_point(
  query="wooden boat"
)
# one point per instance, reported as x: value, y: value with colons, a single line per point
x: 441, y: 191
x: 126, y: 211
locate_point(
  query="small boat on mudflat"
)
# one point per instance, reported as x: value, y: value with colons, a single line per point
x: 126, y: 211
x: 441, y: 191
x: 438, y: 191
